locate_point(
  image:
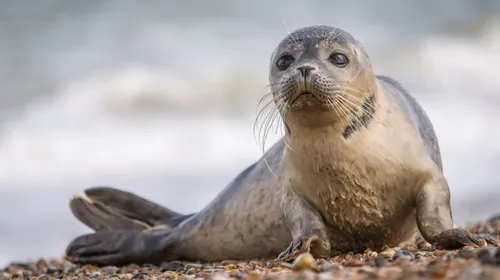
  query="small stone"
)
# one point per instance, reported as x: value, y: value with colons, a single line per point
x: 191, y: 271
x: 324, y: 265
x: 485, y: 255
x: 110, y: 269
x: 217, y: 276
x: 324, y: 276
x: 52, y: 270
x: 193, y: 265
x: 239, y: 275
x: 68, y: 267
x: 368, y: 270
x: 17, y: 273
x: 468, y: 248
x: 354, y: 263
x: 41, y: 265
x: 43, y: 277
x: 133, y: 268
x: 437, y: 253
x: 170, y: 275
x: 419, y: 255
x: 387, y: 253
x: 303, y: 261
x: 127, y: 276
x: 172, y: 266
x: 466, y: 252
x: 380, y: 262
x: 438, y: 269
x: 402, y: 254
x: 140, y: 275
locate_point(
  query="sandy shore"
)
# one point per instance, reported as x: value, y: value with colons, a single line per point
x: 414, y: 259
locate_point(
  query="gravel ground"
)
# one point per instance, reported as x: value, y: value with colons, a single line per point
x: 415, y: 259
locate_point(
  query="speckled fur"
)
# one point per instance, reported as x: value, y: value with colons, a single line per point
x: 363, y: 191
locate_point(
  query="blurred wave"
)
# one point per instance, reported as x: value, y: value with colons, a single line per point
x: 160, y: 98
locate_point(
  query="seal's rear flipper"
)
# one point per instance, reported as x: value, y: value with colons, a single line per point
x: 120, y: 248
x: 132, y: 206
x: 100, y: 217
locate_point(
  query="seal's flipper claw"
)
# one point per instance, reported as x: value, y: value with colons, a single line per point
x: 131, y: 205
x: 455, y: 239
x: 286, y: 254
x: 319, y: 247
x: 488, y: 238
x: 99, y: 217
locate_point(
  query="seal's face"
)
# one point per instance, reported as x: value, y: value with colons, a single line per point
x: 320, y: 69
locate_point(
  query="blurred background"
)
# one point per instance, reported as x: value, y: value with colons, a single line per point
x: 159, y: 98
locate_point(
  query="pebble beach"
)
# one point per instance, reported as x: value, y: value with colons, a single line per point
x: 414, y: 259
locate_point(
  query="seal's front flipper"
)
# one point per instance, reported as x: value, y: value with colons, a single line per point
x: 434, y: 219
x: 100, y: 217
x: 318, y: 246
x: 308, y: 230
x: 131, y: 205
x: 118, y: 248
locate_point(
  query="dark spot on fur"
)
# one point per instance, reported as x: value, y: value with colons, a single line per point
x: 287, y: 128
x: 368, y: 111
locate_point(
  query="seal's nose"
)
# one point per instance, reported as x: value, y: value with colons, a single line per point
x: 305, y: 70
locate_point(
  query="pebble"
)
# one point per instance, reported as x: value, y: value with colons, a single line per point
x: 387, y: 253
x: 380, y: 262
x: 411, y: 260
x: 140, y: 275
x: 110, y: 269
x: 486, y: 255
x: 497, y: 256
x: 172, y: 266
x: 193, y: 265
x: 303, y: 261
x: 239, y: 275
x: 402, y: 254
x: 324, y: 265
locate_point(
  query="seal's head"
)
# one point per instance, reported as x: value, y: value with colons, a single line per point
x: 319, y: 75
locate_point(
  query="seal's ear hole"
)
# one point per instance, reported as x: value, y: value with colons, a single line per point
x: 355, y: 51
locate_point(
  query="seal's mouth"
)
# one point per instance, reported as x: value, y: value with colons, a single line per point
x: 303, y: 95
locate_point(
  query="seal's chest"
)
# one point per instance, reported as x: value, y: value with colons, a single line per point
x: 358, y: 195
x: 350, y: 202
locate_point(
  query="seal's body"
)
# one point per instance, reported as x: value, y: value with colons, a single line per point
x: 359, y: 167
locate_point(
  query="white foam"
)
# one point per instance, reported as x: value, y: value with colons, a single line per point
x: 113, y: 124
x: 463, y: 105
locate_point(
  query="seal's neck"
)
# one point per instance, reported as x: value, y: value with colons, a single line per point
x: 361, y: 119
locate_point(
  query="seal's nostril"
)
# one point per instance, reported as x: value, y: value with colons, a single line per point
x: 305, y: 70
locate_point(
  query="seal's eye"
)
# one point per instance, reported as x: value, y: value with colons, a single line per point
x: 338, y: 59
x: 284, y: 62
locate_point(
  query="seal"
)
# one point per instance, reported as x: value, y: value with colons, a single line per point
x: 358, y: 167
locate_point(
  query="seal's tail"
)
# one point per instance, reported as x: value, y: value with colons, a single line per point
x: 109, y: 209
